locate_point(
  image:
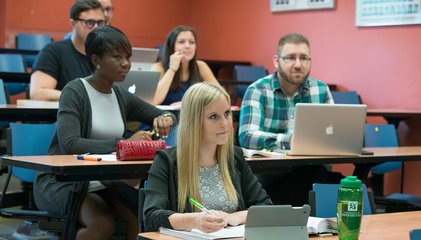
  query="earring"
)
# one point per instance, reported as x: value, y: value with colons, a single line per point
x: 98, y: 66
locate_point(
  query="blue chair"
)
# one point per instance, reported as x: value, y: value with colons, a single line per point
x: 382, y: 135
x: 29, y: 139
x: 415, y: 234
x: 323, y: 200
x: 3, y: 100
x: 246, y: 74
x: 13, y: 63
x: 346, y: 97
x: 35, y: 42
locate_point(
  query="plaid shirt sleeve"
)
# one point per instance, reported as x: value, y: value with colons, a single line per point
x: 254, y: 128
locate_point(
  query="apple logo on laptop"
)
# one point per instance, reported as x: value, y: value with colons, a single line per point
x: 132, y: 89
x: 329, y: 130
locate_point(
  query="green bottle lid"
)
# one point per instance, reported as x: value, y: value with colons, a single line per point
x: 350, y: 182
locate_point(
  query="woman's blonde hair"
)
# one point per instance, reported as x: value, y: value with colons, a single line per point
x: 198, y: 97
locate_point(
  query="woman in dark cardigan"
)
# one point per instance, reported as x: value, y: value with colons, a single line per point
x: 91, y: 118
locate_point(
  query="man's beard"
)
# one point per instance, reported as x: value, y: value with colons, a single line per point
x: 283, y: 76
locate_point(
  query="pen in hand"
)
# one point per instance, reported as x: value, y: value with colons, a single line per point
x: 201, y: 207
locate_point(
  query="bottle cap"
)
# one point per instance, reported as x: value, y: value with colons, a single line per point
x: 351, y: 182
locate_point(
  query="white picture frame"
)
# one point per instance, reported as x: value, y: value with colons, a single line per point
x: 294, y: 5
x: 369, y: 13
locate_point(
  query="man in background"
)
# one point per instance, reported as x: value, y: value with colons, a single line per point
x: 107, y: 5
x: 62, y: 61
x: 267, y: 118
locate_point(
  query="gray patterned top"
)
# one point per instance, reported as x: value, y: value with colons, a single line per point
x: 212, y: 191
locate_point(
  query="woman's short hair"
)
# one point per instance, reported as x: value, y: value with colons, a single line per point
x: 106, y: 39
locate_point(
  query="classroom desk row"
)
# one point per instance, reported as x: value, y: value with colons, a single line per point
x: 388, y: 226
x: 40, y: 112
x: 68, y: 168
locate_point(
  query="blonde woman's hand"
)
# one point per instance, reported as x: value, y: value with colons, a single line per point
x: 162, y: 125
x: 209, y: 223
x: 141, y: 135
x: 175, y: 60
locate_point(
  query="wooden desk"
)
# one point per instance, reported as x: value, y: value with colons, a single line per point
x: 389, y: 226
x: 394, y: 116
x: 67, y: 168
x: 409, y: 153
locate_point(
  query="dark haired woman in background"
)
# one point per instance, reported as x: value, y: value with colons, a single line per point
x: 179, y: 68
x: 91, y: 118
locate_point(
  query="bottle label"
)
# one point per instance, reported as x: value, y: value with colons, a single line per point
x: 352, y: 206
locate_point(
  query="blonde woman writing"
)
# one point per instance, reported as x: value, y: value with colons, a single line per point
x: 205, y: 166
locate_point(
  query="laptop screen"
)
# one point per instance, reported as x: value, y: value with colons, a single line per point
x: 328, y: 129
x: 143, y: 58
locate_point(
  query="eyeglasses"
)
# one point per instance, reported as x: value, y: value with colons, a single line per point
x: 293, y: 59
x: 108, y: 9
x: 90, y: 23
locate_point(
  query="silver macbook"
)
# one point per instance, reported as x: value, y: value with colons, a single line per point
x: 143, y: 58
x: 328, y: 129
x: 141, y: 83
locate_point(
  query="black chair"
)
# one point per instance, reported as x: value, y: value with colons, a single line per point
x: 140, y: 212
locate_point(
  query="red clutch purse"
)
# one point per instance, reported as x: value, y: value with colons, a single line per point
x: 138, y: 149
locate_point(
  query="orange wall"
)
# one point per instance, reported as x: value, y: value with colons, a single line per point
x: 381, y: 63
x: 146, y: 22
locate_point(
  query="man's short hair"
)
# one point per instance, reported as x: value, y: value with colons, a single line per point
x: 294, y: 38
x: 83, y: 5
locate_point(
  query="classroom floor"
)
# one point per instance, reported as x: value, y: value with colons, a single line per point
x: 8, y: 227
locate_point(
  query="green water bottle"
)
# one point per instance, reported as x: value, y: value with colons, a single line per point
x: 350, y: 208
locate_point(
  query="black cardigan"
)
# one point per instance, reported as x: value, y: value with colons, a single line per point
x: 161, y: 192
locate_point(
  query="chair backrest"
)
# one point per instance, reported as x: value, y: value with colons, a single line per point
x: 382, y: 135
x: 415, y: 234
x: 26, y: 41
x: 346, y: 97
x: 3, y: 96
x: 12, y: 63
x: 35, y: 42
x: 30, y: 139
x: 326, y: 197
x: 248, y: 74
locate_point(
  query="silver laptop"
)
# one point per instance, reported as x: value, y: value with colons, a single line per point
x: 141, y: 83
x: 143, y: 58
x: 277, y: 222
x: 328, y: 129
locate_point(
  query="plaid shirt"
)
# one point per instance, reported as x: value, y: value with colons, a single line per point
x: 267, y: 112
